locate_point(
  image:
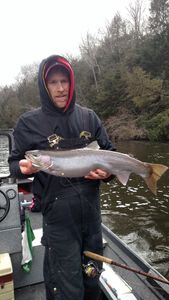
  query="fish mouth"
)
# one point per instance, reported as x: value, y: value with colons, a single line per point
x: 36, y: 159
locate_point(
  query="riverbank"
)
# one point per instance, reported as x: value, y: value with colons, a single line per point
x: 124, y: 126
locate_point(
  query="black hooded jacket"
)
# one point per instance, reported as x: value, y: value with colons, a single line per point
x: 34, y: 128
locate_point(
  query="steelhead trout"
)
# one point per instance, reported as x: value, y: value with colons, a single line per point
x: 79, y: 162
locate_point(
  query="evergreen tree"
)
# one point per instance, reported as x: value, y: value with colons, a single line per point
x: 159, y: 16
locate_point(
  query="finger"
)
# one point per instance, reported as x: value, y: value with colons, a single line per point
x: 93, y: 175
x: 26, y: 167
x: 101, y: 173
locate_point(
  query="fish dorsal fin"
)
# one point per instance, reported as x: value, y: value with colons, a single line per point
x: 93, y: 145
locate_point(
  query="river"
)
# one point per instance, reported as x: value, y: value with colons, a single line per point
x: 138, y: 217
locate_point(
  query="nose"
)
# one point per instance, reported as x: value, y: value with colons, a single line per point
x: 59, y: 86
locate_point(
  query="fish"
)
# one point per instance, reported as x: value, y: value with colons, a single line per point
x: 79, y: 162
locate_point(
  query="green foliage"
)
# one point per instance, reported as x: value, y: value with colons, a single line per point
x: 10, y: 108
x: 83, y: 82
x: 21, y: 97
x: 143, y: 89
x: 154, y: 54
x: 159, y: 17
x: 158, y: 127
x: 111, y: 94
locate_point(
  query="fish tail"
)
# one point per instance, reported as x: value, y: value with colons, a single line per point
x: 157, y: 171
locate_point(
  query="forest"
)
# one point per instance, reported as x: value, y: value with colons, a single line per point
x: 122, y: 73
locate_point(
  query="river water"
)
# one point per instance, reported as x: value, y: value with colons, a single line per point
x: 138, y: 217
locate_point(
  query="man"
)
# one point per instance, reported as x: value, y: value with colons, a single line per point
x: 70, y: 206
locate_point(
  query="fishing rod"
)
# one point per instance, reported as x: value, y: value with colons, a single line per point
x: 109, y: 261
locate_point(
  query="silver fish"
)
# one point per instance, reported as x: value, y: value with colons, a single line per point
x: 79, y: 162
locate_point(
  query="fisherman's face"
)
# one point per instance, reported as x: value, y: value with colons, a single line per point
x: 58, y: 86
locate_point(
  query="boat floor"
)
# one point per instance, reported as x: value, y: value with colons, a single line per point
x: 36, y: 291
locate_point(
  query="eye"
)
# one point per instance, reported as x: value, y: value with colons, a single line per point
x: 64, y: 81
x: 52, y: 82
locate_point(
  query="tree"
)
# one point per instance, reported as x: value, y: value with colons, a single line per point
x: 11, y: 107
x: 159, y: 16
x: 114, y: 40
x: 112, y: 92
x: 27, y: 87
x: 115, y: 44
x: 154, y: 53
x: 88, y: 50
x: 143, y: 89
x: 137, y: 20
x: 83, y: 80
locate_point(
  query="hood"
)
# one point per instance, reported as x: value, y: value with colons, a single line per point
x: 46, y: 101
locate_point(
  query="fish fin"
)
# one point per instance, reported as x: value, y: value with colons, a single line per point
x: 157, y: 171
x: 93, y: 145
x: 123, y: 177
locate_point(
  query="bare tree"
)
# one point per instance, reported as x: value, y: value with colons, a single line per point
x: 88, y: 50
x: 137, y: 20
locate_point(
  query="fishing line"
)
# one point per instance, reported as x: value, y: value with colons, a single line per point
x: 82, y: 197
x: 79, y: 194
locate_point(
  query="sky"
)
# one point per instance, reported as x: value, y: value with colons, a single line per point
x: 31, y: 30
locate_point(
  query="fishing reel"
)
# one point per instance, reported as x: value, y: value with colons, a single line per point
x: 91, y: 269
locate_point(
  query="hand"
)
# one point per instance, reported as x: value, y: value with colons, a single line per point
x: 26, y: 167
x: 97, y: 174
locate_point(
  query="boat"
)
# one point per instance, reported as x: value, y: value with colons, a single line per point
x: 125, y: 275
x: 141, y: 287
